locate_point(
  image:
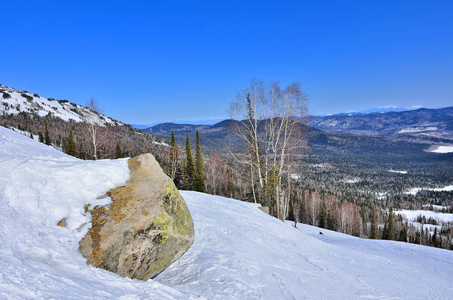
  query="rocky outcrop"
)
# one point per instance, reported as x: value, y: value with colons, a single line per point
x: 146, y: 228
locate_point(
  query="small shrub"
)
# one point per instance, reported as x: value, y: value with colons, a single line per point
x: 6, y: 95
x: 26, y: 96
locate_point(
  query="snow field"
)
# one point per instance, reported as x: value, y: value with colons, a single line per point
x: 414, y: 191
x: 443, y: 149
x: 411, y: 215
x: 239, y: 252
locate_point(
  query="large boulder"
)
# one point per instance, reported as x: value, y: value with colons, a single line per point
x: 146, y: 227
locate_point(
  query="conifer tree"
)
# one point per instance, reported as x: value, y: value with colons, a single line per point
x: 434, y: 239
x: 41, y: 137
x: 71, y: 146
x: 189, y: 167
x: 199, y: 168
x: 374, y: 228
x: 118, y: 153
x: 391, y: 226
x: 385, y: 232
x: 46, y: 135
x: 173, y: 139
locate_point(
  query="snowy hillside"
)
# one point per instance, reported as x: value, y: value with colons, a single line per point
x: 239, y: 252
x: 14, y: 102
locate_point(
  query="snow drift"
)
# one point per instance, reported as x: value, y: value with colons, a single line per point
x: 239, y: 252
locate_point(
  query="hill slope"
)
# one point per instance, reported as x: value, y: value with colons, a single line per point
x: 34, y: 114
x: 239, y: 252
x: 15, y: 102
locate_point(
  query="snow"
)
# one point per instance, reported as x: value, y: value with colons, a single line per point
x: 414, y: 191
x: 354, y: 180
x: 436, y: 207
x: 398, y: 172
x: 239, y: 252
x: 411, y: 215
x: 161, y: 144
x: 417, y: 129
x: 443, y: 149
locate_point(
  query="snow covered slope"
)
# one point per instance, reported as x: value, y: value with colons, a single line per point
x: 239, y: 252
x: 14, y: 102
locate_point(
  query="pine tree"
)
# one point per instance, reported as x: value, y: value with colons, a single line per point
x: 199, y: 168
x: 71, y: 146
x: 391, y: 226
x: 189, y: 167
x: 374, y: 228
x: 436, y: 244
x: 46, y: 135
x: 385, y: 232
x: 41, y: 137
x: 173, y: 139
x: 118, y: 153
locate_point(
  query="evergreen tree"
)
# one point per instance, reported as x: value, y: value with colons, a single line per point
x: 374, y: 225
x: 199, y: 168
x: 41, y: 137
x: 364, y: 220
x: 403, y: 235
x: 173, y: 140
x: 390, y: 225
x: 189, y: 167
x: 385, y: 232
x: 118, y: 153
x: 71, y: 146
x: 435, y: 238
x: 46, y: 135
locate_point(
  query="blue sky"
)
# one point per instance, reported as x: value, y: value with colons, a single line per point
x: 152, y: 61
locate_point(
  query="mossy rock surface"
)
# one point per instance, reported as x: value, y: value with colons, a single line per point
x: 146, y: 228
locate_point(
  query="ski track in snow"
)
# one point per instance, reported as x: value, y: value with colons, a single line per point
x: 239, y: 252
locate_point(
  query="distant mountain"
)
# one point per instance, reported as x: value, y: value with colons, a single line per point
x: 187, y: 122
x: 389, y: 109
x: 423, y: 124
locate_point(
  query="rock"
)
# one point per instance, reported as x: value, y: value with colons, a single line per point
x: 62, y: 222
x: 146, y: 228
x: 264, y: 209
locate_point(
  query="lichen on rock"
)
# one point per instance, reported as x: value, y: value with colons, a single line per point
x: 147, y: 227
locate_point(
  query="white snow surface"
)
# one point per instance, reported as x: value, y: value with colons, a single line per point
x: 398, y: 172
x: 417, y: 129
x: 354, y: 180
x: 238, y: 253
x: 411, y: 215
x: 443, y: 149
x: 414, y: 191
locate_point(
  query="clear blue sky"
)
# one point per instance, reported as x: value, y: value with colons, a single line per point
x: 150, y: 61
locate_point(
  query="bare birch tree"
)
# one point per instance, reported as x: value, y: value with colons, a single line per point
x: 99, y: 135
x: 272, y: 131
